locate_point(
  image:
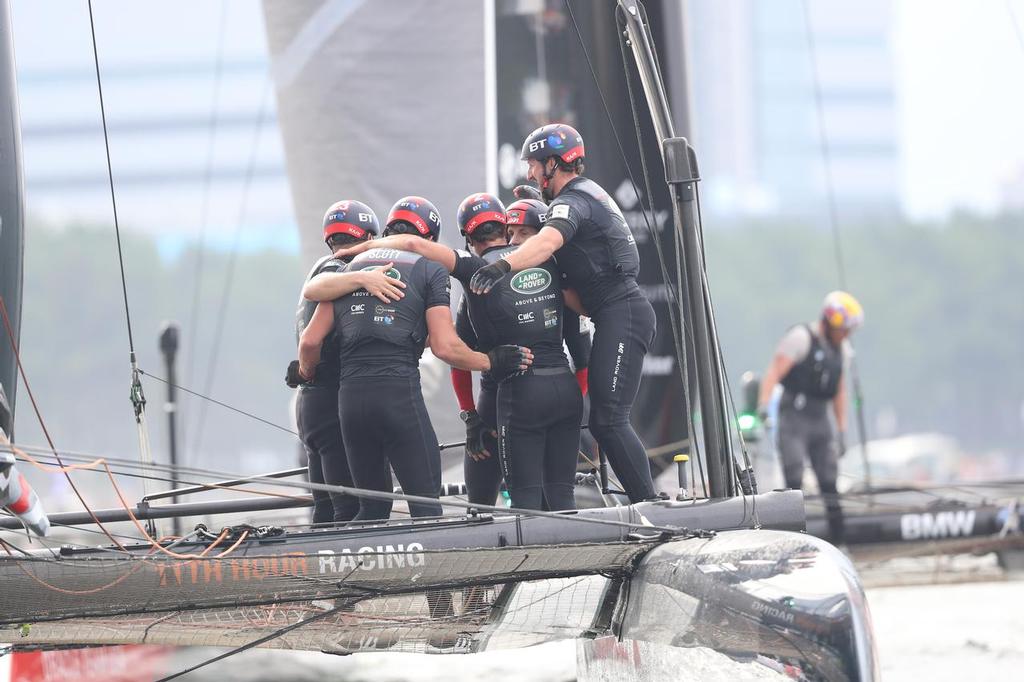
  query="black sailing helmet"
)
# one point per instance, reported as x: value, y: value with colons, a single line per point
x: 555, y: 139
x: 528, y: 212
x: 353, y: 218
x: 422, y: 215
x: 477, y: 209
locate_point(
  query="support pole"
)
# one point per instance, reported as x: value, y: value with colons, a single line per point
x: 169, y: 336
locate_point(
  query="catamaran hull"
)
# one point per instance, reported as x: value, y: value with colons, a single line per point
x: 745, y: 602
x: 353, y: 562
x: 464, y: 586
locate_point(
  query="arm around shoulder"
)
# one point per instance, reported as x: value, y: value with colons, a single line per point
x: 328, y: 286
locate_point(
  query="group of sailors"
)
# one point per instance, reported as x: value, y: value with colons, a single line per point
x: 529, y: 272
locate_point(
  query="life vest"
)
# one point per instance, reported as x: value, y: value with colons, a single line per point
x: 818, y: 374
x: 19, y: 498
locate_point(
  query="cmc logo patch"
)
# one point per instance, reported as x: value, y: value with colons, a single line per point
x: 531, y: 281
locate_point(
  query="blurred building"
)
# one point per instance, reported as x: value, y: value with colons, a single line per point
x: 756, y: 123
x: 192, y: 123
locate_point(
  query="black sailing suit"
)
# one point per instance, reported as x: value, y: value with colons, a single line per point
x: 805, y: 431
x: 600, y: 261
x: 483, y: 477
x: 383, y: 417
x: 316, y: 413
x: 539, y: 410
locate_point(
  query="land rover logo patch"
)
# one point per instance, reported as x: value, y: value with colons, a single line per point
x: 391, y: 272
x: 531, y: 281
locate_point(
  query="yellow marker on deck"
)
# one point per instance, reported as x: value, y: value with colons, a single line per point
x: 681, y: 461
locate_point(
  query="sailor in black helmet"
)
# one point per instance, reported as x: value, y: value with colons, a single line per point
x: 316, y: 407
x: 537, y: 413
x: 383, y: 417
x: 598, y: 257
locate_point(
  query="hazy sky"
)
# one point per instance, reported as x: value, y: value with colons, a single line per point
x: 960, y: 82
x: 959, y: 75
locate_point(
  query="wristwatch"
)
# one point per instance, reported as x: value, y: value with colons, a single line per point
x: 466, y: 415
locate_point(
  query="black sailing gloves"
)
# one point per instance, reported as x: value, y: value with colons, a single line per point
x: 508, y: 360
x: 475, y: 430
x: 486, y: 277
x: 293, y: 377
x: 526, y: 192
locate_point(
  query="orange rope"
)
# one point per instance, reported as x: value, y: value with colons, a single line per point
x: 42, y: 424
x: 101, y: 461
x: 153, y: 541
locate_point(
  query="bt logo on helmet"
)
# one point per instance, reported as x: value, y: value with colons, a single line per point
x: 539, y: 144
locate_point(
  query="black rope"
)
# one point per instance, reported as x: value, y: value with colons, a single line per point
x: 225, y: 297
x: 193, y: 328
x: 1016, y: 24
x: 374, y: 494
x: 676, y: 294
x: 858, y: 396
x: 110, y: 176
x: 674, y: 301
x: 217, y: 402
x: 826, y: 156
x: 256, y: 642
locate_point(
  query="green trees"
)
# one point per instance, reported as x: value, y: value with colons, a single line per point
x: 940, y: 349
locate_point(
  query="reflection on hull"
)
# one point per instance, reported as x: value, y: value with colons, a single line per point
x: 765, y: 603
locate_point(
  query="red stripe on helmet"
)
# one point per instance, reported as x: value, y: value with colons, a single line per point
x: 343, y: 228
x: 496, y: 216
x: 573, y: 154
x: 22, y: 504
x: 409, y: 217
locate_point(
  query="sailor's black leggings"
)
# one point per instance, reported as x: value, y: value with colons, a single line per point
x: 384, y: 422
x: 316, y: 412
x: 806, y: 434
x: 623, y: 332
x: 483, y: 477
x: 539, y: 417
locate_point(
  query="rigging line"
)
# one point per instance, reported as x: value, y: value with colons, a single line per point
x: 723, y: 370
x: 110, y: 176
x: 262, y: 640
x: 217, y: 402
x: 644, y: 211
x: 83, y: 529
x: 211, y: 365
x: 193, y: 328
x: 618, y: 142
x: 684, y: 357
x: 1016, y: 23
x: 674, y: 321
x: 826, y: 156
x: 91, y: 467
x: 42, y: 423
x: 834, y: 221
x: 152, y: 541
x: 400, y: 497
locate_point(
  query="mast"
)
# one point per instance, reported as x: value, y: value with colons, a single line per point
x: 11, y: 218
x: 681, y: 174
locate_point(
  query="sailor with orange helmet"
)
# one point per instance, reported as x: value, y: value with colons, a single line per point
x: 809, y: 363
